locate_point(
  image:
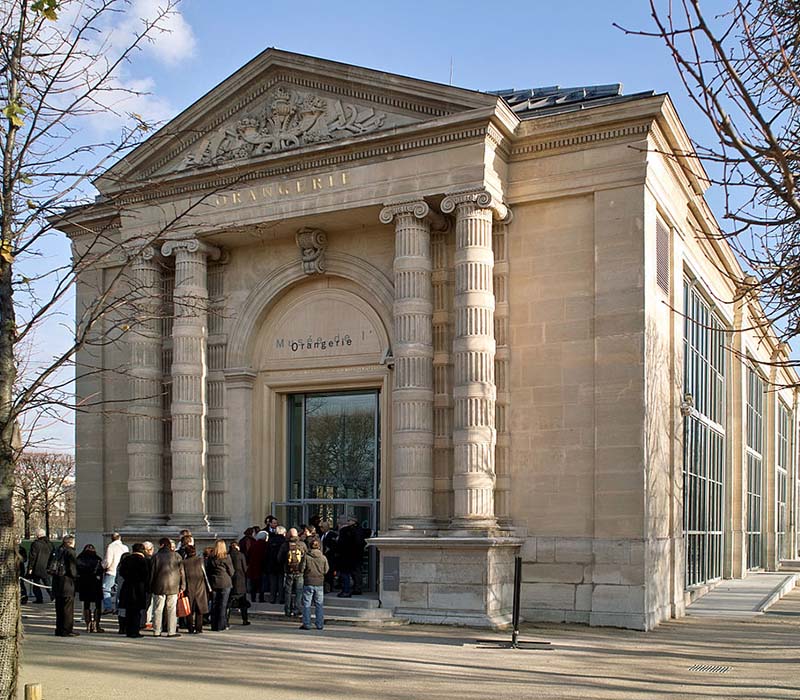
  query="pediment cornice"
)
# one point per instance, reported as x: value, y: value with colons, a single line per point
x: 282, y: 101
x: 475, y: 126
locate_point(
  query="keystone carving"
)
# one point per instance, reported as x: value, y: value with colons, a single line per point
x: 312, y: 243
x: 289, y: 119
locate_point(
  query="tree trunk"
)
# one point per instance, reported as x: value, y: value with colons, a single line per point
x: 10, y: 627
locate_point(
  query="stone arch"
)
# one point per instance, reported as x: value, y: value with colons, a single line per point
x: 375, y: 288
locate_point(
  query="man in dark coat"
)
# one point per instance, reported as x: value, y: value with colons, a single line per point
x: 64, y: 587
x: 167, y: 580
x: 41, y: 549
x: 349, y: 554
x: 327, y: 541
x: 134, y: 570
x: 22, y: 568
x: 273, y: 566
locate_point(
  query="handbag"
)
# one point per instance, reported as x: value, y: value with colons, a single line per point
x: 183, y: 608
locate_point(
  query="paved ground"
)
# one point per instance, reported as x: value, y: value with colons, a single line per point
x: 275, y: 660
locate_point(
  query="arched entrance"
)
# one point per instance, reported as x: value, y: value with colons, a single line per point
x: 320, y: 401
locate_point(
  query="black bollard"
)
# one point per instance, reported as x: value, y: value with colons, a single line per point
x: 516, y: 642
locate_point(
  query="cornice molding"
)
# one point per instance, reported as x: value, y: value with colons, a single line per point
x: 290, y: 164
x: 534, y: 144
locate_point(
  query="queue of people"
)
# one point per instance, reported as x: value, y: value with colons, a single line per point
x: 150, y: 590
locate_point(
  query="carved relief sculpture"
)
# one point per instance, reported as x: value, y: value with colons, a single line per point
x: 312, y: 243
x: 289, y: 119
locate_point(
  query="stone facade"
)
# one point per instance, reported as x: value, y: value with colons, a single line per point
x: 508, y: 283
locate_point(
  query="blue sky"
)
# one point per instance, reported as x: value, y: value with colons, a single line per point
x: 513, y: 44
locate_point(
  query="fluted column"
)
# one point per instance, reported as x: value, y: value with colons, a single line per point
x: 145, y: 415
x: 189, y: 407
x: 412, y: 393
x: 474, y: 391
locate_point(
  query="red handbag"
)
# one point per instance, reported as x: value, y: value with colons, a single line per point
x: 183, y: 607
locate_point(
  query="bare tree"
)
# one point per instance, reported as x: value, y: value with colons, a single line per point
x: 741, y: 68
x: 61, y: 64
x: 25, y: 498
x: 53, y: 476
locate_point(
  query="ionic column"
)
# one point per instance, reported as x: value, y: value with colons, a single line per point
x: 412, y: 393
x: 189, y: 407
x: 474, y: 391
x: 145, y: 416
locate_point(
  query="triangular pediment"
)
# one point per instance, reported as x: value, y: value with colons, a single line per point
x: 288, y: 118
x: 282, y: 102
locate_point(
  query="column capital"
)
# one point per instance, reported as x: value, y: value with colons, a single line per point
x: 190, y: 245
x: 140, y: 249
x: 418, y: 208
x: 480, y: 198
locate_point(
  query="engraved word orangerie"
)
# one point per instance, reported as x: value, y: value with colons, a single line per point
x: 280, y: 190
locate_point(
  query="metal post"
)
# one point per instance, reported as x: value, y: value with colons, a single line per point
x: 515, y: 609
x: 516, y: 642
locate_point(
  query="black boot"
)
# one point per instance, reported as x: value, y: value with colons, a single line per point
x: 245, y: 621
x: 97, y: 613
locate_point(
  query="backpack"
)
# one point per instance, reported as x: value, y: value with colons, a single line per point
x: 55, y: 564
x: 295, y: 556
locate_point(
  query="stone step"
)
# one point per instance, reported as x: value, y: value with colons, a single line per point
x: 332, y: 607
x: 375, y: 617
x: 789, y: 565
x: 368, y: 601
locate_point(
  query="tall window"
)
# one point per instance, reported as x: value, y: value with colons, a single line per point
x: 755, y: 465
x: 782, y: 475
x: 704, y: 439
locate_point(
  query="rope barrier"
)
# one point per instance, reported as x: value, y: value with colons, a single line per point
x: 31, y: 583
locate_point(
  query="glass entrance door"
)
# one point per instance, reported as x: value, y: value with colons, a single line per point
x: 334, y: 463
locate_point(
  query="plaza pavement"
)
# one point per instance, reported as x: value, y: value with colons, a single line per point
x: 274, y: 660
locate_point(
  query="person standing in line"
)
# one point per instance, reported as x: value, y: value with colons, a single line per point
x: 349, y: 554
x: 185, y: 541
x: 327, y: 542
x: 147, y: 617
x: 291, y: 558
x: 315, y: 566
x: 22, y: 567
x: 274, y: 567
x: 220, y: 578
x: 41, y: 550
x: 114, y: 553
x: 246, y: 542
x: 135, y: 574
x: 197, y: 589
x: 256, y: 564
x: 168, y: 578
x: 238, y: 597
x: 90, y: 587
x: 64, y: 569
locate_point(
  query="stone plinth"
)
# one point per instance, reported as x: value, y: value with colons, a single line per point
x: 453, y: 581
